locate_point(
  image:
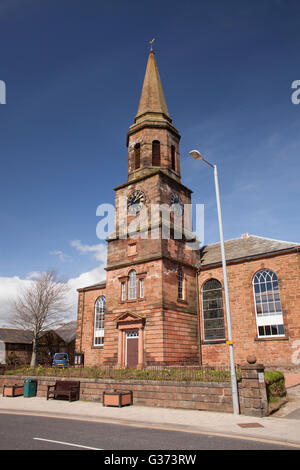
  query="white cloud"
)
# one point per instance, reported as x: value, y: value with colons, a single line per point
x: 10, y: 287
x: 98, y: 251
x: 61, y: 255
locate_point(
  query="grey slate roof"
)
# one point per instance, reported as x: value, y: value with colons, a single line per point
x: 244, y: 247
x: 12, y: 335
x: 67, y: 332
x: 94, y: 286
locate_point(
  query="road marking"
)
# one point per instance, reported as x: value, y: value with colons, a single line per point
x: 66, y: 443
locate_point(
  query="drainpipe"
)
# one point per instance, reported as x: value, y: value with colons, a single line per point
x: 198, y: 319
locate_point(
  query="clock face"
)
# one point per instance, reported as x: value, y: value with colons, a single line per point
x: 135, y: 201
x: 175, y: 199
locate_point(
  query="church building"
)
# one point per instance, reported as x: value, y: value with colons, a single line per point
x: 162, y: 303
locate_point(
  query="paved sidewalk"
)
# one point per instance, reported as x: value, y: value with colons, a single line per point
x: 291, y: 380
x: 270, y: 428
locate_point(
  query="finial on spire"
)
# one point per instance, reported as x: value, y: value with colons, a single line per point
x: 151, y: 42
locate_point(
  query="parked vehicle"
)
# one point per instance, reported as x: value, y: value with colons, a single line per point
x: 61, y: 360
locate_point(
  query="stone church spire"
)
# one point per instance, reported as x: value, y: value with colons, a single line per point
x: 152, y: 98
x: 153, y: 141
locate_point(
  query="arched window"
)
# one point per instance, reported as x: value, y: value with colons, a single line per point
x: 267, y: 302
x: 173, y: 157
x: 99, y: 321
x: 132, y: 291
x: 155, y: 153
x: 180, y: 284
x: 137, y: 156
x: 213, y: 313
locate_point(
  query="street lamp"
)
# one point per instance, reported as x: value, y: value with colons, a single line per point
x: 197, y: 156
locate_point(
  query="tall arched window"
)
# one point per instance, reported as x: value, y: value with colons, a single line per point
x: 213, y: 313
x: 99, y: 321
x: 267, y: 302
x: 132, y: 290
x: 173, y: 157
x: 137, y: 156
x: 155, y: 153
x: 180, y: 284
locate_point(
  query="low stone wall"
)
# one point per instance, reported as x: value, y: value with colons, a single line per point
x: 209, y: 396
x: 188, y: 395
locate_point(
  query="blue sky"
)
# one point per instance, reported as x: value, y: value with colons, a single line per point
x: 74, y: 71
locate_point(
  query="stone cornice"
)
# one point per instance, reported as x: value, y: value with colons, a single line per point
x: 147, y: 260
x: 155, y: 172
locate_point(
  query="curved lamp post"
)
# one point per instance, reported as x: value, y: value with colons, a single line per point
x: 235, y: 401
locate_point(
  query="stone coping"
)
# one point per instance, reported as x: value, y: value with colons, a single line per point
x: 124, y: 381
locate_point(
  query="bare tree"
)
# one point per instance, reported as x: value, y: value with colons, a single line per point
x: 41, y: 306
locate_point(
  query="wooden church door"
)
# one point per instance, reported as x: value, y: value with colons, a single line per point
x: 132, y: 349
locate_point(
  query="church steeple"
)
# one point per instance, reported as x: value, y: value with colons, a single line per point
x: 152, y: 140
x: 152, y: 98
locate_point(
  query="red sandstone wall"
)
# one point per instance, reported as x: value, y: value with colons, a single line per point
x: 194, y: 395
x: 85, y: 326
x: 271, y: 351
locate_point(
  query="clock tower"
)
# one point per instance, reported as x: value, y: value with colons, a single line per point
x: 151, y: 295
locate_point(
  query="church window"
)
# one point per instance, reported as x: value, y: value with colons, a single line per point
x: 137, y: 156
x: 123, y: 291
x: 141, y: 288
x: 180, y: 285
x: 213, y: 313
x: 267, y: 302
x: 99, y: 321
x: 155, y: 153
x: 173, y: 157
x: 132, y: 285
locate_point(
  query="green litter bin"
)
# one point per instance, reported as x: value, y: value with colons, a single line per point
x: 30, y: 386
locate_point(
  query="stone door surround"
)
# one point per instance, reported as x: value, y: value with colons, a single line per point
x: 128, y: 322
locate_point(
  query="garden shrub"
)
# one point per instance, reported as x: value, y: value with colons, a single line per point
x: 275, y: 385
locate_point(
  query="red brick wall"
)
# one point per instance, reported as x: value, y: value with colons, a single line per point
x: 145, y: 137
x: 171, y: 327
x: 271, y: 351
x: 85, y: 326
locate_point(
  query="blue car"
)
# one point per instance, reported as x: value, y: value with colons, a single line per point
x: 61, y: 360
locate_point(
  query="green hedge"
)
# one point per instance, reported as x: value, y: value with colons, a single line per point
x: 275, y: 385
x: 175, y: 374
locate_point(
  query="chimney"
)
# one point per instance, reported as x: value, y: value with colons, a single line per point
x: 245, y: 235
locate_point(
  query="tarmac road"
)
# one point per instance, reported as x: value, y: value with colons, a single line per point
x: 23, y: 432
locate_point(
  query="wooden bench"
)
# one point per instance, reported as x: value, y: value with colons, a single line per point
x: 64, y: 388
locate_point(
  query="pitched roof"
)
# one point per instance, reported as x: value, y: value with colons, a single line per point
x: 13, y: 335
x: 67, y: 332
x: 152, y: 98
x: 244, y: 247
x: 99, y: 285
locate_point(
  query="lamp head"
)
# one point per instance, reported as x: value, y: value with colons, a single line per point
x: 196, y: 155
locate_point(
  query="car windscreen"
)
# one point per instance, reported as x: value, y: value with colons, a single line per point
x: 60, y: 356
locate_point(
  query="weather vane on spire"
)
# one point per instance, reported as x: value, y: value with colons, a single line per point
x: 151, y: 42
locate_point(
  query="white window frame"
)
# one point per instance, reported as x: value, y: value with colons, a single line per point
x: 132, y: 285
x: 180, y: 285
x: 99, y: 321
x: 267, y: 304
x: 123, y: 291
x: 142, y: 288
